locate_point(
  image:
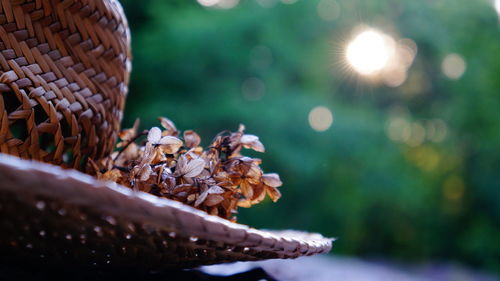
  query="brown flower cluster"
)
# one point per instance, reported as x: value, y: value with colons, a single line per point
x: 217, y: 179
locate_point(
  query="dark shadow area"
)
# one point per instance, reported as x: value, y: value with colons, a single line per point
x: 39, y: 273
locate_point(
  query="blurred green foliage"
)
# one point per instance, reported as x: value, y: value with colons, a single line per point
x: 267, y: 67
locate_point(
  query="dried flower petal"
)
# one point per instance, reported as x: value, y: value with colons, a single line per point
x: 189, y: 168
x: 129, y: 134
x: 131, y: 151
x: 191, y: 197
x: 246, y: 189
x: 214, y: 189
x: 169, y: 144
x: 272, y: 180
x: 259, y: 193
x: 244, y: 203
x: 145, y: 173
x: 191, y: 138
x: 252, y: 142
x: 201, y: 198
x: 273, y: 193
x: 154, y: 135
x: 214, y: 211
x: 169, y: 126
x: 182, y: 188
x: 213, y: 199
x: 148, y: 155
x: 111, y: 175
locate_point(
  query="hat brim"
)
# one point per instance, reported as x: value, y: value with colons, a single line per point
x: 66, y: 216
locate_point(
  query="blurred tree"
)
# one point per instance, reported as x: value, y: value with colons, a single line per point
x: 436, y: 197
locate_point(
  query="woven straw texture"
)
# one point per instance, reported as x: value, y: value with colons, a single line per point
x: 58, y: 216
x: 64, y: 71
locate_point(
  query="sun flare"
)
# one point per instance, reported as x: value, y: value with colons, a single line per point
x: 369, y: 52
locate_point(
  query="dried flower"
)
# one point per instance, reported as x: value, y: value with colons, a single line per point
x: 189, y: 168
x: 191, y: 138
x: 168, y: 144
x: 217, y: 180
x: 170, y: 129
x: 128, y: 135
x: 252, y: 142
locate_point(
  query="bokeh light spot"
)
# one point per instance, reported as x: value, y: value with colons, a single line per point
x: 222, y: 4
x: 208, y: 3
x: 399, y: 129
x: 453, y: 66
x: 369, y: 52
x: 417, y: 135
x: 436, y: 130
x: 228, y: 4
x: 396, y: 79
x: 320, y: 118
x: 424, y: 157
x: 380, y: 57
x: 497, y: 6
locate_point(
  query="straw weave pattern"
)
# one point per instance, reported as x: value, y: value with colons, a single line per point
x: 64, y: 71
x: 53, y: 216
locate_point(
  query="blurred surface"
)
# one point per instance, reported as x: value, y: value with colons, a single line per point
x: 382, y: 117
x: 321, y: 268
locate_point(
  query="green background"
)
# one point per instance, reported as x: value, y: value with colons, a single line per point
x: 268, y: 67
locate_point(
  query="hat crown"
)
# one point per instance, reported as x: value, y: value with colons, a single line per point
x: 64, y: 72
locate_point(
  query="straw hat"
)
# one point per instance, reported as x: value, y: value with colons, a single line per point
x: 63, y: 80
x: 64, y: 73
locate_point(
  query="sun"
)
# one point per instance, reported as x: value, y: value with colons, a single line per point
x: 369, y: 52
